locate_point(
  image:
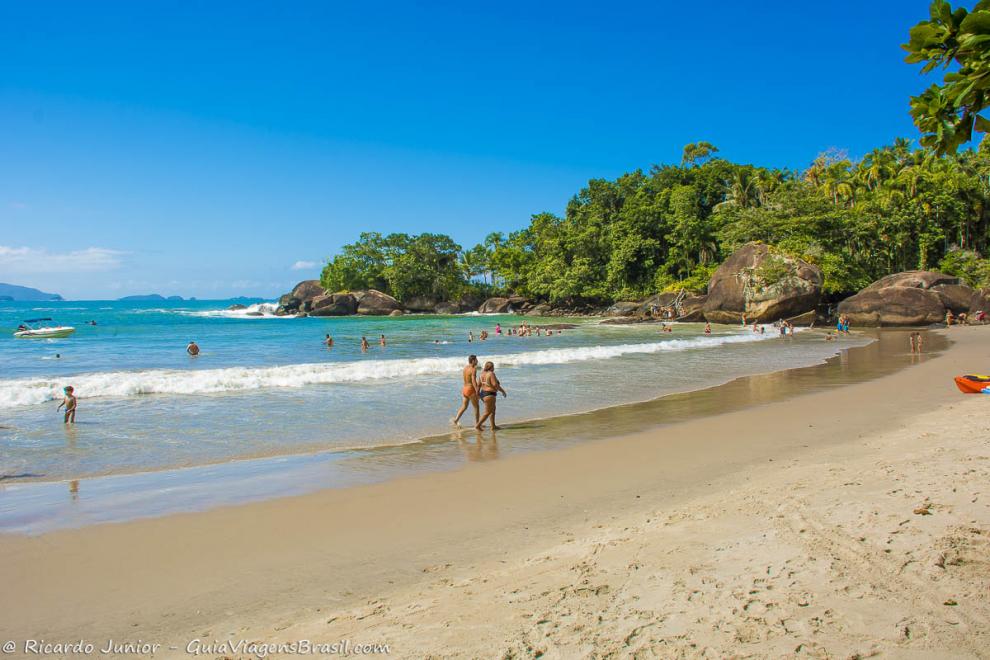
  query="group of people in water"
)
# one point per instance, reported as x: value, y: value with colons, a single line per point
x: 524, y: 329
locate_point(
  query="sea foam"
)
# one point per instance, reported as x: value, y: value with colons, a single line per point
x: 33, y: 391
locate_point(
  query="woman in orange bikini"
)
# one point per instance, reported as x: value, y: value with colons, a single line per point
x: 469, y: 392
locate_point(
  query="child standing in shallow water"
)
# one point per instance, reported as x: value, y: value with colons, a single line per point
x: 69, y: 401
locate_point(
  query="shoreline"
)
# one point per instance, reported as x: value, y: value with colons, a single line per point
x: 356, y: 557
x: 39, y: 505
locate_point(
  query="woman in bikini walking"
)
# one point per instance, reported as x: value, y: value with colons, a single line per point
x: 488, y: 389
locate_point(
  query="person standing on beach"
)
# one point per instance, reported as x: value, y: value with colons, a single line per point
x: 469, y: 390
x: 488, y: 389
x: 916, y: 342
x: 70, y: 403
x: 192, y: 349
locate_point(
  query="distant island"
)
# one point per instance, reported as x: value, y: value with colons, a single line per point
x: 152, y: 297
x: 15, y: 292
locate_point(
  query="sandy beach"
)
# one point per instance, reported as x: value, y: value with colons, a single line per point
x: 845, y: 523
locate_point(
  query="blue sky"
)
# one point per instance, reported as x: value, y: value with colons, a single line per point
x: 219, y: 149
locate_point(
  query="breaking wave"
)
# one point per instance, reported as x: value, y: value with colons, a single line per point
x: 32, y: 391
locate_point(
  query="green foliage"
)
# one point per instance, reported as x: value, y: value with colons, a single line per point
x: 400, y: 265
x: 696, y: 152
x: 948, y: 113
x: 968, y: 265
x: 898, y: 208
x: 773, y: 270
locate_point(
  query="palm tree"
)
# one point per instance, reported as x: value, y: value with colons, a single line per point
x: 743, y: 190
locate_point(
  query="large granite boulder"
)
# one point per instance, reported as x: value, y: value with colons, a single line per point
x: 375, y: 303
x: 623, y: 309
x: 299, y: 299
x: 307, y: 289
x: 914, y: 297
x: 541, y: 309
x: 470, y: 301
x: 956, y: 297
x: 893, y: 306
x: 913, y: 279
x: 979, y: 302
x: 450, y: 308
x: 658, y: 301
x: 762, y: 285
x: 494, y: 306
x: 421, y: 303
x: 692, y: 309
x: 334, y: 304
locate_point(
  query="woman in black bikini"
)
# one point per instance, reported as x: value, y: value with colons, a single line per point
x: 489, y: 387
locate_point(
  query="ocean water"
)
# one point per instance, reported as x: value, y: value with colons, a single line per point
x: 266, y: 387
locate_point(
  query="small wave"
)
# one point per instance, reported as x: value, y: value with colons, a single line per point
x: 256, y: 311
x: 31, y: 391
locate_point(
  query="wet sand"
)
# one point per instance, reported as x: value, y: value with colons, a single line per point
x: 783, y: 526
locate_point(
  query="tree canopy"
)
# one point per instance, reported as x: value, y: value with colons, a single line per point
x: 898, y: 208
x: 957, y: 40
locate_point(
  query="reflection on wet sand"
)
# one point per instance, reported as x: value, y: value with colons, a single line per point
x: 477, y: 445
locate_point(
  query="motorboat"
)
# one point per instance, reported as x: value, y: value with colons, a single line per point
x: 31, y: 330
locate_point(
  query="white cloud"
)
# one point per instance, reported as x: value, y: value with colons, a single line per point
x: 304, y: 265
x: 31, y: 260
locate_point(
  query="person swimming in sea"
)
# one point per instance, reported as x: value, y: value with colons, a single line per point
x: 470, y: 336
x: 498, y: 328
x: 469, y: 391
x: 708, y: 328
x: 488, y: 389
x: 328, y: 341
x: 70, y: 403
x: 381, y: 341
x: 364, y: 344
x: 192, y: 349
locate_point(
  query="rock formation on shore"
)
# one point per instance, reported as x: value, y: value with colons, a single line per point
x: 762, y: 285
x: 918, y: 297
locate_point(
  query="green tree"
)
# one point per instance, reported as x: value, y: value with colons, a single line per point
x: 948, y: 114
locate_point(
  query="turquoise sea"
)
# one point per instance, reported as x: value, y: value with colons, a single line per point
x: 266, y: 396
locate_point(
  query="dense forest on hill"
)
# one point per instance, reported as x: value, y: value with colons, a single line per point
x: 899, y: 207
